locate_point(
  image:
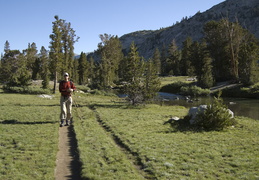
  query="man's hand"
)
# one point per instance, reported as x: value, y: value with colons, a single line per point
x: 70, y: 90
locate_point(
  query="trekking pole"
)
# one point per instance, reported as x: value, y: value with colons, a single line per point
x: 76, y: 105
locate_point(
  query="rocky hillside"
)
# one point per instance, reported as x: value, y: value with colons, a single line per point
x: 246, y: 12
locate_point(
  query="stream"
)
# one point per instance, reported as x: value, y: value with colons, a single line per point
x: 240, y: 106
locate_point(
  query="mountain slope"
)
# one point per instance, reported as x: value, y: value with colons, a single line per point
x: 246, y: 12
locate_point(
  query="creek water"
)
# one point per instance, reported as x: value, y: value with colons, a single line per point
x: 240, y: 106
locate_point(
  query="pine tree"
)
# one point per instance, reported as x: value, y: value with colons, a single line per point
x: 91, y: 71
x: 110, y: 50
x: 205, y: 78
x: 163, y: 59
x: 217, y: 44
x: 248, y: 60
x: 6, y: 47
x: 56, y: 55
x: 152, y: 82
x: 82, y: 69
x: 44, y: 67
x: 133, y: 75
x: 31, y: 57
x: 173, y: 59
x: 14, y: 70
x: 157, y: 61
x: 187, y: 68
x: 61, y: 49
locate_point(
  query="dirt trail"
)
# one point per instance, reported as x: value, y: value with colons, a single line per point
x: 68, y: 166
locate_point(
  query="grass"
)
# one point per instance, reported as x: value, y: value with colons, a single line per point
x: 171, y: 79
x: 165, y: 153
x: 29, y: 137
x: 119, y: 141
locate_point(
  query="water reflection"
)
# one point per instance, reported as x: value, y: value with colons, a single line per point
x: 240, y: 106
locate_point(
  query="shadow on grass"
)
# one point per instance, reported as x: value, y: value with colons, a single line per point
x: 14, y: 121
x: 75, y: 165
x: 181, y: 125
x: 29, y: 105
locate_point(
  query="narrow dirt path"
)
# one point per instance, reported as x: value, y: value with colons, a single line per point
x: 68, y: 166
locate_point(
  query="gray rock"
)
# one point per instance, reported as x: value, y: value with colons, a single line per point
x: 194, y: 111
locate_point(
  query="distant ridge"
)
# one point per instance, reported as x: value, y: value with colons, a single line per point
x: 246, y: 12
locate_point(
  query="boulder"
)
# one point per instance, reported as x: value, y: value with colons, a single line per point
x: 193, y: 111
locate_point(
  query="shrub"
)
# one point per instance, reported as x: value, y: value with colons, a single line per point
x: 174, y: 87
x: 215, y: 117
x: 26, y: 90
x: 194, y: 91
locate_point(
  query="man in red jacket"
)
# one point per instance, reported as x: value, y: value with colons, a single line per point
x: 66, y: 87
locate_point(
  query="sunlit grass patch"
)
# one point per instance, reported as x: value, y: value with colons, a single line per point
x: 101, y: 157
x: 170, y: 154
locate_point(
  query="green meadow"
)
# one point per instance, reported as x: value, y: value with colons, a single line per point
x: 119, y: 141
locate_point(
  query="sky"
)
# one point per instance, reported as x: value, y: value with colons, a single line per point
x: 28, y: 21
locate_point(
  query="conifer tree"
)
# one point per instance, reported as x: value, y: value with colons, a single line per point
x: 248, y: 60
x: 163, y: 59
x: 187, y: 68
x: 133, y: 75
x: 205, y: 78
x: 91, y: 71
x: 173, y: 59
x: 82, y: 69
x: 62, y: 48
x: 44, y: 67
x: 31, y: 57
x: 152, y: 82
x: 110, y: 50
x: 56, y: 54
x: 157, y: 61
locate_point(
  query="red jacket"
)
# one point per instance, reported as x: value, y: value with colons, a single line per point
x: 64, y: 86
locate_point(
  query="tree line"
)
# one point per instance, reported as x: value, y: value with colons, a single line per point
x: 226, y: 52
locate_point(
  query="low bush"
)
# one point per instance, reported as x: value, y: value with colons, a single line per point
x: 185, y: 89
x: 194, y: 91
x: 215, y: 117
x: 174, y: 87
x: 26, y: 90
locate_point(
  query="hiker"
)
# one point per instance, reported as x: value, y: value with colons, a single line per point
x: 66, y: 87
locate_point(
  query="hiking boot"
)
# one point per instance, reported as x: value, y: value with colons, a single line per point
x: 61, y: 123
x: 67, y: 123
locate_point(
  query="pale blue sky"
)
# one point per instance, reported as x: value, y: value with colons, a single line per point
x: 27, y: 21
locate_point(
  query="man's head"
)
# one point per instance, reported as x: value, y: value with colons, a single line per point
x: 66, y: 76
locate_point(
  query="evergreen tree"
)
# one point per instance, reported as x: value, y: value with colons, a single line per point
x: 82, y: 69
x: 173, y: 60
x: 6, y: 47
x: 44, y: 67
x: 217, y: 44
x: 14, y: 70
x: 91, y: 71
x: 74, y: 71
x: 133, y: 75
x: 31, y: 57
x: 201, y: 60
x: 56, y: 55
x: 152, y: 82
x: 163, y: 61
x: 110, y: 50
x: 61, y: 48
x: 157, y: 62
x: 248, y: 60
x: 187, y: 68
x: 205, y: 78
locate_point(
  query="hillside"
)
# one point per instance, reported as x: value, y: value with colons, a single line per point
x: 246, y: 12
